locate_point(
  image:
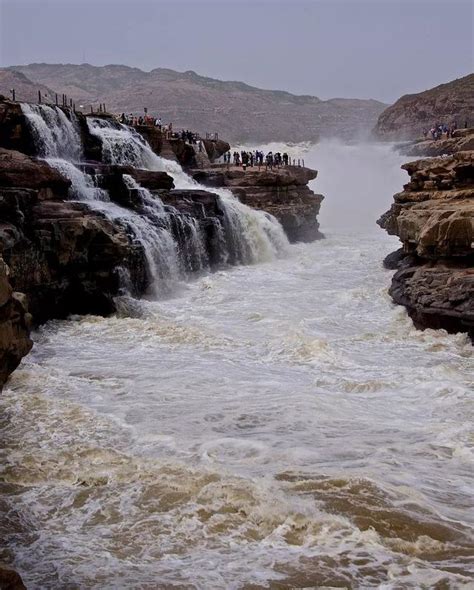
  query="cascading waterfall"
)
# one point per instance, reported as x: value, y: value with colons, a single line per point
x: 58, y: 140
x: 254, y: 236
x: 54, y: 133
x: 173, y: 243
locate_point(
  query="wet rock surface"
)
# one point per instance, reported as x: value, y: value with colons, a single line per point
x: 434, y: 218
x: 14, y: 327
x: 62, y: 255
x: 10, y: 580
x: 66, y: 253
x: 282, y: 192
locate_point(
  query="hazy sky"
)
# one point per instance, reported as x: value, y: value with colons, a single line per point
x: 352, y: 48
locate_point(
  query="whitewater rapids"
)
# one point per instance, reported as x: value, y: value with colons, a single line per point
x: 279, y: 425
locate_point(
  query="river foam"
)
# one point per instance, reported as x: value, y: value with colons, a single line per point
x: 282, y: 424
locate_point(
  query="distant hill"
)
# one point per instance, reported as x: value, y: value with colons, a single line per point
x: 237, y: 111
x: 446, y: 103
x: 25, y: 89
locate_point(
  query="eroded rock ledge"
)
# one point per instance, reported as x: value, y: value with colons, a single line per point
x: 434, y: 218
x: 283, y: 192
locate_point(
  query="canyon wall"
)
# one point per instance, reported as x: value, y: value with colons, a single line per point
x: 78, y: 231
x: 434, y: 218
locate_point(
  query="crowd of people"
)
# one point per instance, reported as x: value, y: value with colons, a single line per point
x: 441, y: 130
x: 243, y: 158
x: 147, y: 120
x: 258, y: 158
x: 134, y: 121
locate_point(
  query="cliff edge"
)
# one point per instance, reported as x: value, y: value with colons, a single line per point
x: 434, y: 218
x: 282, y: 192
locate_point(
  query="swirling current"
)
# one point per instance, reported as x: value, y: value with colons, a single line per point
x: 277, y: 425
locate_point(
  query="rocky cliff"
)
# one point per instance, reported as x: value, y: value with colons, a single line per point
x: 14, y: 326
x: 434, y: 218
x: 16, y: 135
x: 239, y: 112
x: 283, y: 192
x: 75, y: 235
x: 412, y: 113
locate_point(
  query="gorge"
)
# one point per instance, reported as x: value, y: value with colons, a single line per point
x: 100, y: 214
x: 236, y: 295
x: 146, y: 438
x: 269, y: 419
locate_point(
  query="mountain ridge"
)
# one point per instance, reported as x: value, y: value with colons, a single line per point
x: 238, y: 111
x: 412, y: 113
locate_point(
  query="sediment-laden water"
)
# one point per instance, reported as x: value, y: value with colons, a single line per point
x: 276, y: 425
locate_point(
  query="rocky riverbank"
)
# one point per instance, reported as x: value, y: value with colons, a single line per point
x: 74, y: 236
x: 283, y: 192
x: 434, y: 218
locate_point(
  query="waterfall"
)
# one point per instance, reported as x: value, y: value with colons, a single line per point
x: 253, y: 236
x: 172, y: 241
x: 54, y: 133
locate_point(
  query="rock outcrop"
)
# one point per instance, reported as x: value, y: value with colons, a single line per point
x: 406, y: 119
x: 62, y: 255
x: 461, y: 140
x: 14, y: 326
x: 434, y: 218
x: 282, y: 192
x: 10, y: 580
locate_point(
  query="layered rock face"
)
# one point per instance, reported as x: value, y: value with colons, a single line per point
x: 282, y: 192
x: 412, y: 113
x: 16, y: 135
x: 62, y: 255
x: 434, y: 219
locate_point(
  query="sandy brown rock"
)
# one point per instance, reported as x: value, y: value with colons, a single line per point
x: 461, y: 140
x: 434, y: 215
x: 434, y: 218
